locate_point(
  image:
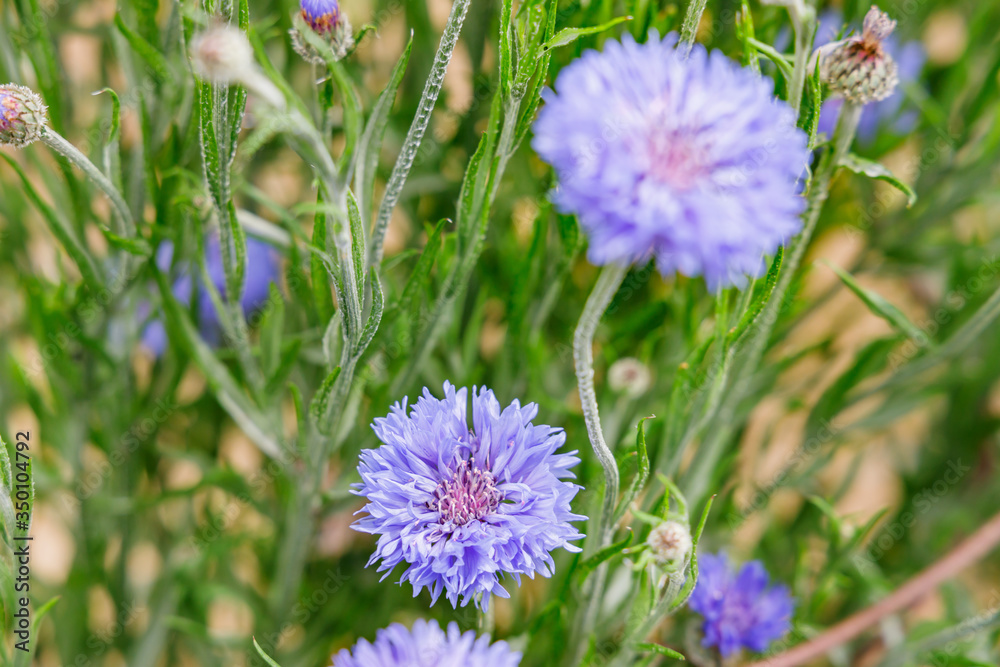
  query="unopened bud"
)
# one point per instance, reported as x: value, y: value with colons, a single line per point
x: 630, y: 376
x: 22, y: 116
x: 222, y: 55
x: 329, y: 23
x: 670, y: 543
x: 859, y: 68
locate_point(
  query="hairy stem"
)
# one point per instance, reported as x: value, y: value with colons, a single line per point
x: 417, y: 128
x: 125, y: 224
x: 583, y: 340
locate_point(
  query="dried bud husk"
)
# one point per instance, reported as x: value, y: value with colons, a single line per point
x: 859, y: 68
x: 22, y: 116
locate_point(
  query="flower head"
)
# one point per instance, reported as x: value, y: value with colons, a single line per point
x: 222, y: 54
x: 325, y: 18
x: 739, y: 608
x: 427, y: 645
x: 22, y: 116
x: 263, y: 270
x: 887, y: 112
x: 461, y: 506
x: 670, y: 543
x: 691, y: 160
x: 860, y: 68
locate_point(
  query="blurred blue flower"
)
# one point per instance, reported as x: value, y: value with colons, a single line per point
x: 427, y: 645
x: 890, y: 112
x: 691, y: 160
x: 739, y: 608
x: 262, y: 270
x: 462, y: 506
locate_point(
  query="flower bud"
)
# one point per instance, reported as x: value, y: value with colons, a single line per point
x: 22, y: 116
x: 670, y: 543
x: 327, y: 21
x: 222, y: 54
x: 859, y: 68
x: 629, y: 375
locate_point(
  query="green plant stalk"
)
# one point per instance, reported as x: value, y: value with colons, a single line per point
x: 458, y: 278
x: 698, y: 477
x: 692, y: 18
x: 414, y: 137
x: 805, y: 32
x: 122, y: 216
x: 662, y: 608
x: 583, y: 341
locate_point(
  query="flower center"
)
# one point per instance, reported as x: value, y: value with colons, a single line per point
x: 470, y: 494
x: 674, y: 159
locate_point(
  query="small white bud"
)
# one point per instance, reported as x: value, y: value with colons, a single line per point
x: 630, y: 376
x: 670, y: 543
x: 223, y: 55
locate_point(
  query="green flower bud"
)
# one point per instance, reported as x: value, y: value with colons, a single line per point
x: 858, y: 68
x: 22, y: 116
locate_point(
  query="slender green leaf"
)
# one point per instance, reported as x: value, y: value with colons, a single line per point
x: 570, y: 35
x: 872, y: 169
x: 879, y: 306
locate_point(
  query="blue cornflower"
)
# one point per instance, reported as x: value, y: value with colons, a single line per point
x: 321, y: 15
x: 462, y: 506
x: 889, y: 112
x: 262, y: 270
x: 740, y: 610
x: 691, y: 160
x: 427, y: 645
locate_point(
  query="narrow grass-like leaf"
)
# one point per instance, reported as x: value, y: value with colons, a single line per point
x: 320, y: 405
x: 608, y: 552
x: 370, y: 144
x: 750, y: 316
x: 570, y: 35
x: 658, y: 649
x: 882, y: 308
x: 23, y: 658
x: 872, y: 169
x: 158, y: 65
x: 268, y: 659
x: 61, y: 229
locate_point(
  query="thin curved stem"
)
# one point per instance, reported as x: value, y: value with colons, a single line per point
x: 583, y: 340
x: 978, y: 545
x: 122, y: 215
x: 417, y: 128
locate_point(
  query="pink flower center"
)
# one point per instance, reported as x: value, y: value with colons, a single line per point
x: 470, y: 494
x: 675, y: 159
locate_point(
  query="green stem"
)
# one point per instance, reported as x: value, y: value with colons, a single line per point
x: 583, y: 340
x: 805, y: 31
x: 414, y: 137
x: 699, y: 476
x: 125, y: 224
x: 689, y: 29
